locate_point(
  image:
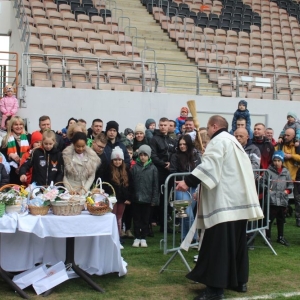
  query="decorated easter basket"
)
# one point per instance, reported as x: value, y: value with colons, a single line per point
x: 104, y: 206
x: 70, y: 207
x: 37, y: 210
x: 16, y: 207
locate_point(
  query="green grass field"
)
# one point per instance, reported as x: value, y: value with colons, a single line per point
x: 269, y: 274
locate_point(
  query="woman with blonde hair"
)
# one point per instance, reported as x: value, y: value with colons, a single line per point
x: 14, y: 145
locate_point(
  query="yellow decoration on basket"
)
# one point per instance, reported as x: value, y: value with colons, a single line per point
x: 23, y: 192
x: 90, y: 200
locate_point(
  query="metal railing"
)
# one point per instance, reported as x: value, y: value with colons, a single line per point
x: 23, y: 23
x: 172, y: 243
x: 189, y: 79
x: 9, y: 62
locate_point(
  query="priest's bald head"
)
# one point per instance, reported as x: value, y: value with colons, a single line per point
x: 216, y: 123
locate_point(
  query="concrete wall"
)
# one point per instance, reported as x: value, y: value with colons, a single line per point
x: 129, y: 108
x: 5, y: 16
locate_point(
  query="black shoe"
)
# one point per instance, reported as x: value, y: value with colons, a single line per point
x: 281, y: 240
x: 298, y: 222
x: 241, y: 288
x: 207, y: 294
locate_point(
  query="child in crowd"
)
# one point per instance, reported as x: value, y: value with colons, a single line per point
x: 280, y: 187
x: 292, y: 122
x: 120, y: 178
x: 150, y: 126
x: 8, y: 105
x: 241, y: 113
x: 127, y: 216
x: 127, y: 137
x: 184, y: 112
x: 130, y: 152
x: 146, y: 194
x: 81, y: 163
x: 36, y: 142
x: 46, y: 162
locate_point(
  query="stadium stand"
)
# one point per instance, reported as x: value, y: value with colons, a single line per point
x: 246, y: 48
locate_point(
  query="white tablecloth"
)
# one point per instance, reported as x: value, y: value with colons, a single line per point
x: 38, y: 239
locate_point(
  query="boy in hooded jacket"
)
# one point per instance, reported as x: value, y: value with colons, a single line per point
x: 146, y: 194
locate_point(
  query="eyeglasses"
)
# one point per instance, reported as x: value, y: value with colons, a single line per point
x: 100, y: 147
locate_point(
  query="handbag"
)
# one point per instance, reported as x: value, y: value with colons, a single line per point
x: 30, y: 276
x: 55, y: 275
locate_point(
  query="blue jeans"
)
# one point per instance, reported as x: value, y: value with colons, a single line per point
x: 188, y: 221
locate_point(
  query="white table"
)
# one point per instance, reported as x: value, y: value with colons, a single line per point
x: 27, y: 240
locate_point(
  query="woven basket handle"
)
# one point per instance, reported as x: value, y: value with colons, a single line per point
x: 99, y: 183
x: 8, y: 186
x: 114, y: 192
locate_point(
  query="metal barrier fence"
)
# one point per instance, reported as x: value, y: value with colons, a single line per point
x: 172, y: 244
x: 178, y: 78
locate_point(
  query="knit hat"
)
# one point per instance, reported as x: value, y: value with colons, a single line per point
x: 128, y: 131
x: 184, y: 109
x: 117, y: 153
x: 36, y: 137
x: 140, y: 128
x: 112, y: 124
x: 148, y: 122
x: 145, y: 149
x: 243, y: 102
x: 279, y: 155
x: 292, y: 114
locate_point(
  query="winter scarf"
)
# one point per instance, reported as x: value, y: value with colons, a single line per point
x: 23, y: 142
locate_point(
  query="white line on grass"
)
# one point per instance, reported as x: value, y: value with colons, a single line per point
x: 271, y: 296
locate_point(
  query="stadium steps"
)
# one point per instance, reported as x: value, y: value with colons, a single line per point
x: 166, y: 51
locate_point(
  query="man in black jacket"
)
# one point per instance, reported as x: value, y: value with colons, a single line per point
x: 162, y: 147
x: 45, y: 124
x: 113, y: 140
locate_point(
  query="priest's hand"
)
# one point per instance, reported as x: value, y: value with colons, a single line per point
x: 181, y: 186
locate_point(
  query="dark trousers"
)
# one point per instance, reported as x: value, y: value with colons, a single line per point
x: 127, y: 217
x: 141, y: 218
x: 223, y: 256
x: 278, y: 213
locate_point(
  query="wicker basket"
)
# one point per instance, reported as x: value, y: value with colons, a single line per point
x: 66, y: 208
x: 104, y: 208
x: 98, y: 210
x: 38, y: 210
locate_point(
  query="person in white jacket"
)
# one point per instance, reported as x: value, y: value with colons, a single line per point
x: 228, y: 199
x: 81, y: 163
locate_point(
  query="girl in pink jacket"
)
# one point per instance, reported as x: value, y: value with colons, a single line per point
x: 8, y: 105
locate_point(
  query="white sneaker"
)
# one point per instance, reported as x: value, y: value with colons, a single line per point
x: 144, y: 244
x: 136, y: 243
x: 121, y: 247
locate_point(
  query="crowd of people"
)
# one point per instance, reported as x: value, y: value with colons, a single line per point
x: 136, y: 162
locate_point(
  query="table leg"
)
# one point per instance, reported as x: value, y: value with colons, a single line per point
x: 70, y: 253
x: 7, y: 279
